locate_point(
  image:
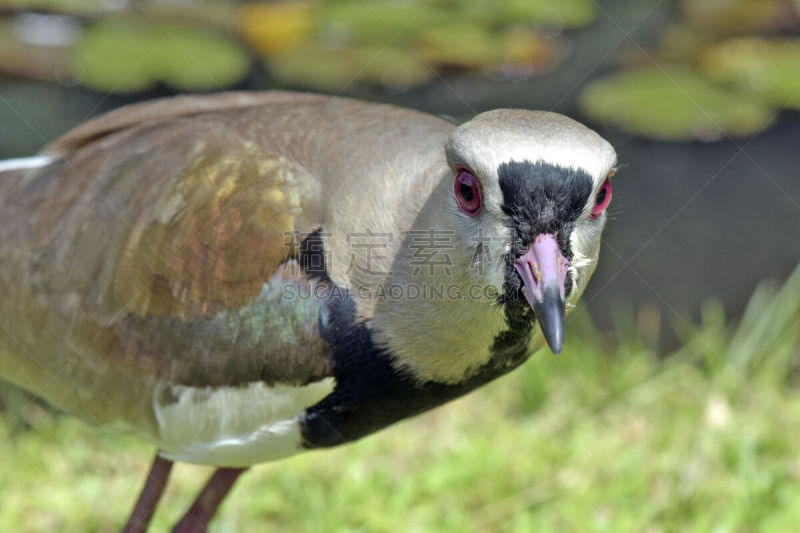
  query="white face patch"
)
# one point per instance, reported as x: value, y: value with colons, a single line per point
x: 233, y: 426
x: 505, y: 135
x: 585, y: 244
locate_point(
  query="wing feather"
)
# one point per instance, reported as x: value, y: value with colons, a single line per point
x: 161, y: 251
x: 211, y: 238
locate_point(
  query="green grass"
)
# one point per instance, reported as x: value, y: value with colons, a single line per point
x: 605, y: 437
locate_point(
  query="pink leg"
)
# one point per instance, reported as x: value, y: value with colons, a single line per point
x: 148, y: 498
x: 202, y: 511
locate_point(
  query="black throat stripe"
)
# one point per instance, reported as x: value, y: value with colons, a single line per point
x: 370, y: 393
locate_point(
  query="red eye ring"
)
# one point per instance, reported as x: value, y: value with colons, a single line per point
x: 468, y: 192
x: 603, y: 198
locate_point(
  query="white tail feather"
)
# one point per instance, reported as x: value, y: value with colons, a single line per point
x: 25, y: 163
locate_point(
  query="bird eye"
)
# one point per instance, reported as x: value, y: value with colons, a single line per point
x: 602, y: 199
x: 468, y: 192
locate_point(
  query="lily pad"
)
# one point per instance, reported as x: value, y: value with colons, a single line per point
x: 767, y: 69
x: 381, y: 22
x: 673, y: 105
x: 516, y: 47
x: 318, y: 68
x: 562, y: 14
x: 735, y: 17
x: 117, y: 57
x: 465, y: 45
x: 271, y: 28
x: 526, y: 50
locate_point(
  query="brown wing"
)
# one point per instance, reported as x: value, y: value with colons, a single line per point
x: 211, y: 234
x: 160, y: 250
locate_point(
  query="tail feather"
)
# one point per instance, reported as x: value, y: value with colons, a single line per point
x: 24, y: 163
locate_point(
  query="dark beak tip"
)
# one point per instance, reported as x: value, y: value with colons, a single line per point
x: 556, y: 347
x: 555, y: 340
x: 550, y: 314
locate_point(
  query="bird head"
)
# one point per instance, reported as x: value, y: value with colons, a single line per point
x: 535, y: 185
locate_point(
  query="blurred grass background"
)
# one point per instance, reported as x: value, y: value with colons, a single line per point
x: 675, y: 404
x: 605, y: 437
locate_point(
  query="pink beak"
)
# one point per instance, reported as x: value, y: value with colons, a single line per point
x: 543, y: 270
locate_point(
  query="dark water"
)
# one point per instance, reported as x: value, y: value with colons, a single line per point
x: 696, y: 221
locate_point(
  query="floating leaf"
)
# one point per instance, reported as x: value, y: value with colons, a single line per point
x: 735, y: 17
x: 518, y: 47
x: 118, y: 57
x: 318, y: 68
x: 382, y: 22
x: 465, y: 45
x: 678, y: 43
x: 561, y: 14
x: 673, y: 105
x: 274, y: 28
x: 767, y: 69
x: 525, y: 49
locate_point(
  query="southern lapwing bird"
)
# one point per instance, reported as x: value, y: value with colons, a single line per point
x: 240, y: 277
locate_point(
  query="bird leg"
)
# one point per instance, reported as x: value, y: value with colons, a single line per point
x: 148, y: 499
x: 208, y: 501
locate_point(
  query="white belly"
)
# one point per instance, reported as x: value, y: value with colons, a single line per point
x: 233, y: 426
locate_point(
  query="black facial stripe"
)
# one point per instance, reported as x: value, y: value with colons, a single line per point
x: 542, y: 198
